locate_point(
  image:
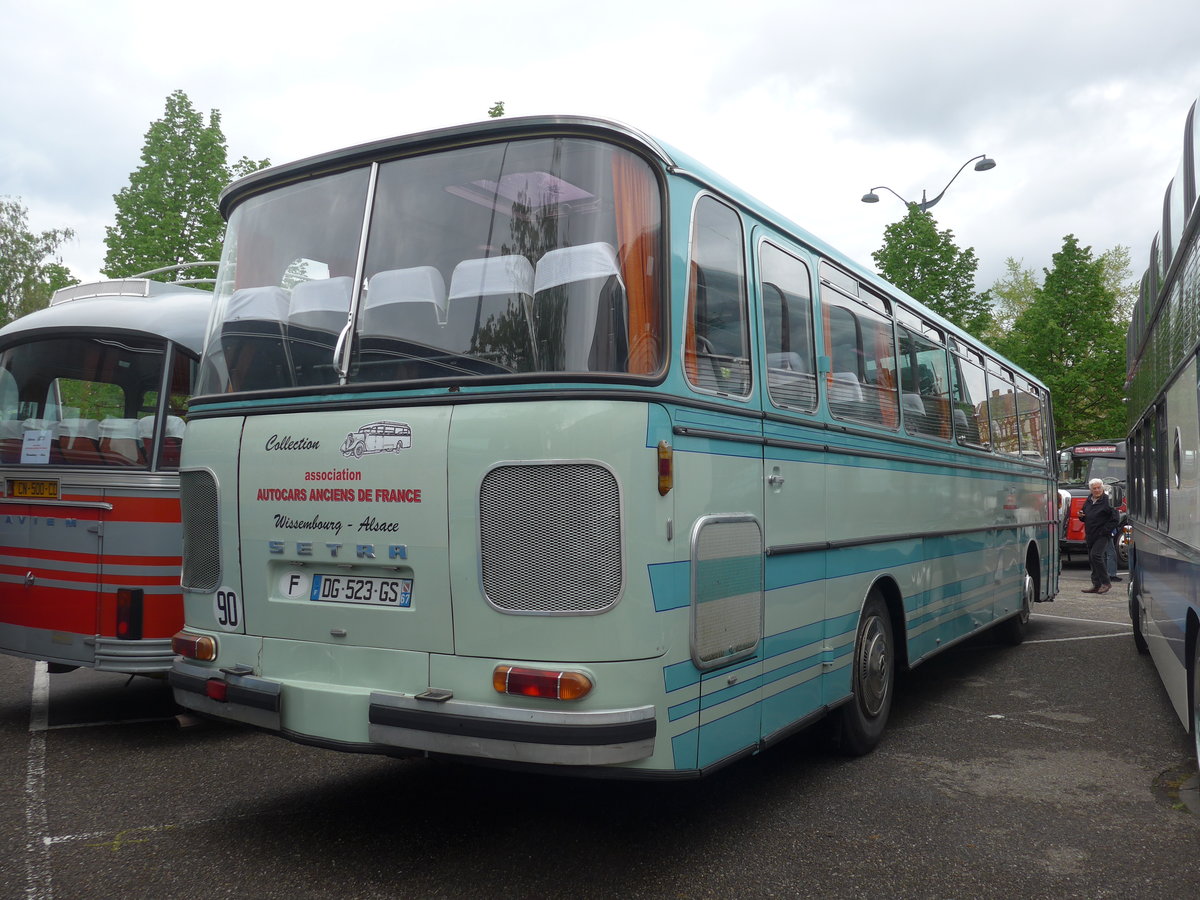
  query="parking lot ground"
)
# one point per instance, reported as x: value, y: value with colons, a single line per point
x: 1053, y: 769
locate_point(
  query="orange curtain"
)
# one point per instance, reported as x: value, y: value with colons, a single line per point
x: 634, y: 195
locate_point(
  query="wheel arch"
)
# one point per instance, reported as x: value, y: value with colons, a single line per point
x: 893, y: 599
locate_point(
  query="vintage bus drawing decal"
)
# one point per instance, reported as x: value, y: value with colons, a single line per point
x: 378, y: 437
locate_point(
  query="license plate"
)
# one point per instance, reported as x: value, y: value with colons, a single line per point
x: 32, y: 490
x: 362, y: 589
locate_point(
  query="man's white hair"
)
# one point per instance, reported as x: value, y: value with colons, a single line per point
x: 1096, y: 481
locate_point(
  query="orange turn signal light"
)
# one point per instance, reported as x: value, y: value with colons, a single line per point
x: 549, y: 684
x: 666, y: 468
x: 194, y: 646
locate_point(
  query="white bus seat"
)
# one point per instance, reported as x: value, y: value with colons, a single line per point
x: 316, y: 317
x: 483, y: 292
x: 252, y: 337
x: 323, y: 304
x: 172, y: 439
x: 912, y: 404
x: 409, y: 304
x: 589, y: 279
x: 267, y: 304
x: 844, y: 386
x: 119, y: 444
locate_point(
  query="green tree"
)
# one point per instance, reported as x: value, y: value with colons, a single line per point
x: 927, y: 264
x: 30, y: 267
x: 1070, y: 337
x: 167, y: 214
x: 1010, y: 295
x: 497, y: 109
x: 1118, y: 278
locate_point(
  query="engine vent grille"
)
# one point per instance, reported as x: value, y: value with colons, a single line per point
x: 550, y: 536
x: 201, y: 543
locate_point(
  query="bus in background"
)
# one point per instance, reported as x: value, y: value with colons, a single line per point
x: 1163, y: 379
x: 93, y: 390
x: 1077, y: 466
x: 534, y: 442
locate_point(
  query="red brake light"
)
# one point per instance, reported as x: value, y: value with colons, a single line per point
x: 545, y: 683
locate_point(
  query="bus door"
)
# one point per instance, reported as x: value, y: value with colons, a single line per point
x: 719, y: 472
x: 794, y: 492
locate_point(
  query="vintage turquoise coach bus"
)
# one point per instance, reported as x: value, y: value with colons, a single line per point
x: 666, y: 477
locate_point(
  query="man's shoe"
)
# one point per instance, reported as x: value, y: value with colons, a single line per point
x: 1116, y: 578
x: 1091, y: 590
x: 1103, y: 589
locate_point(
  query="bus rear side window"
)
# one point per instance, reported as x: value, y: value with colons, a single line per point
x: 716, y: 351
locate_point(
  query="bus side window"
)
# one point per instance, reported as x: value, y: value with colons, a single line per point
x: 861, y: 385
x: 787, y: 324
x: 924, y: 385
x: 970, y: 410
x: 716, y: 346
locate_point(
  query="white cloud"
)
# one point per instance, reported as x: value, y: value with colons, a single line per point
x: 805, y: 104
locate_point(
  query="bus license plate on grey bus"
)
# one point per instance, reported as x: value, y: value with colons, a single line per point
x: 363, y: 589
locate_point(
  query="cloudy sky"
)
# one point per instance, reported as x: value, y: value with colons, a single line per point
x: 804, y: 103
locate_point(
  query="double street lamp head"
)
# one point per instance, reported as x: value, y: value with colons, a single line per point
x: 982, y: 164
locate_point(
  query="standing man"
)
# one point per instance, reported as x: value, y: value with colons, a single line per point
x: 1099, y: 519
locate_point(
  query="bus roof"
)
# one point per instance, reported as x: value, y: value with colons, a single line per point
x: 675, y: 162
x: 130, y: 305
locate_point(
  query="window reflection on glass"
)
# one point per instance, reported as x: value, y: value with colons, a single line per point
x: 504, y: 259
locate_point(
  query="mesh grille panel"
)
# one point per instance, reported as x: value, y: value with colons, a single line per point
x: 201, y: 544
x: 550, y: 538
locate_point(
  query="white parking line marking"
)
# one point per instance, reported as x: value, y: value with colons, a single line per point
x: 1083, y: 637
x: 1088, y: 621
x: 37, y: 847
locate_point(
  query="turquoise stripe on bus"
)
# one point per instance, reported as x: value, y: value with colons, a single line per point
x: 670, y: 585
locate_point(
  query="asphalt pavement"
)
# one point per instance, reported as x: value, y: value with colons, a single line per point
x: 1052, y: 769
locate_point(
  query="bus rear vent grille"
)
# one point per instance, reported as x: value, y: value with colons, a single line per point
x: 550, y: 536
x: 201, y: 545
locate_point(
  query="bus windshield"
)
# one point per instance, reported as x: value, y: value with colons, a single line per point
x: 91, y: 401
x: 1083, y: 469
x: 516, y: 258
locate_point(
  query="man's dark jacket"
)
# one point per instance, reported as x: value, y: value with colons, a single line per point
x: 1100, y: 519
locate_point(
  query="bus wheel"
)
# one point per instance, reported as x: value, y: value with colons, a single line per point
x: 1196, y: 699
x: 862, y: 720
x: 1135, y: 616
x: 359, y: 448
x: 1013, y: 630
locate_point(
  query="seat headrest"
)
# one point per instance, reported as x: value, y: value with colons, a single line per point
x: 490, y: 276
x: 265, y: 303
x: 407, y: 285
x: 322, y: 295
x: 568, y: 264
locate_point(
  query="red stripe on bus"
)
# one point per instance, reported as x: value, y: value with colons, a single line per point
x: 89, y: 558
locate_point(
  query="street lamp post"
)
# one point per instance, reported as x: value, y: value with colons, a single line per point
x: 983, y: 164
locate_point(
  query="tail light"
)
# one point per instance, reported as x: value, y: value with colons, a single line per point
x: 129, y: 614
x: 194, y: 646
x: 666, y: 468
x: 548, y: 684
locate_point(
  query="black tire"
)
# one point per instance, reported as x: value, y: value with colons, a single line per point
x: 861, y: 721
x: 1196, y: 700
x: 1135, y: 615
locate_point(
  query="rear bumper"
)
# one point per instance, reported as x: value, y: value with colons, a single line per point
x: 404, y: 722
x: 542, y: 737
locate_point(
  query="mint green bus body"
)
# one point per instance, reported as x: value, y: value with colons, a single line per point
x: 693, y: 460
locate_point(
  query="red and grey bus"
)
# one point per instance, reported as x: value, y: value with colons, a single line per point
x: 1077, y: 466
x: 93, y: 390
